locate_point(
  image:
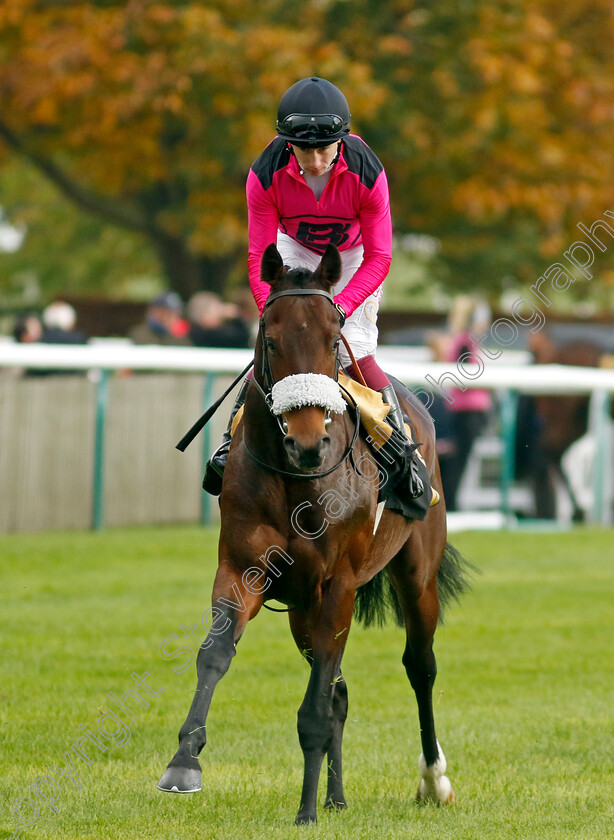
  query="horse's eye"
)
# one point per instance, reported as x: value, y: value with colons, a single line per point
x: 336, y: 343
x: 270, y: 345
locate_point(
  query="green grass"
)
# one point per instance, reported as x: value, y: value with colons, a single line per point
x: 524, y: 698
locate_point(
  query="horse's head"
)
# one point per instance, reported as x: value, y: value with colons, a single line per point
x: 297, y: 353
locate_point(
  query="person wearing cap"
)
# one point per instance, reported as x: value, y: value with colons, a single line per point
x: 215, y: 323
x: 316, y: 184
x: 163, y: 323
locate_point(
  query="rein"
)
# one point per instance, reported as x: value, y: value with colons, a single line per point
x: 354, y: 363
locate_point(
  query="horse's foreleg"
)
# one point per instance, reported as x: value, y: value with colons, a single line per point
x: 421, y: 610
x: 335, y: 798
x: 183, y: 774
x: 321, y: 716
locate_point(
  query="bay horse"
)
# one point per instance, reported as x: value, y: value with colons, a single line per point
x: 298, y: 524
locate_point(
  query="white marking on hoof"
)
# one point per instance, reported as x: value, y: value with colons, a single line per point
x: 434, y: 785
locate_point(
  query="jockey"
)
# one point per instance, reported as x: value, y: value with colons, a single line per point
x: 316, y: 184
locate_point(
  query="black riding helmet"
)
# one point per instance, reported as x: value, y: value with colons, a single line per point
x: 313, y: 112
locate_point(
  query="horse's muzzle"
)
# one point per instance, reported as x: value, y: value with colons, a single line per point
x: 306, y: 458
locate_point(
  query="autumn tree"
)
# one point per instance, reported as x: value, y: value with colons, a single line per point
x: 149, y: 114
x: 494, y: 120
x: 67, y: 251
x: 497, y: 129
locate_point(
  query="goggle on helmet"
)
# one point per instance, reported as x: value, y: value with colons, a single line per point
x: 313, y: 112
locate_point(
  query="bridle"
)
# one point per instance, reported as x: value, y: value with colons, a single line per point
x: 266, y: 372
x: 266, y: 391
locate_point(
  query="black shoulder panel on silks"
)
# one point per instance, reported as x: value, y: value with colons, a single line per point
x: 362, y: 161
x: 273, y: 158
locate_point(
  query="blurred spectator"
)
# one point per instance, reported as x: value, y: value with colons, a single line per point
x: 59, y: 320
x: 214, y: 323
x: 57, y: 327
x: 27, y: 328
x: 468, y: 413
x: 445, y: 442
x: 163, y: 323
x: 248, y: 312
x: 531, y: 461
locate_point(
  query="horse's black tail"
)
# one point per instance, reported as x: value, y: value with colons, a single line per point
x: 453, y: 578
x: 377, y: 602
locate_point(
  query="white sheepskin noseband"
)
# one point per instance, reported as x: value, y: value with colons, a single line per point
x: 301, y: 389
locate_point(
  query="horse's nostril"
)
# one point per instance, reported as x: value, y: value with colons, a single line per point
x: 290, y: 445
x: 306, y: 458
x: 323, y: 444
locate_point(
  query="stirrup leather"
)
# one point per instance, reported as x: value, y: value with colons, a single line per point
x: 214, y: 469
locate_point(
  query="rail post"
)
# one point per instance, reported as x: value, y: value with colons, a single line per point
x: 601, y: 427
x: 102, y: 399
x: 207, y: 400
x: 509, y: 411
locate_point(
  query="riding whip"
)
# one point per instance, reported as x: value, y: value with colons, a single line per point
x: 202, y: 421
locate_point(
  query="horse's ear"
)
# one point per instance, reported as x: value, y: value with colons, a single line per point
x: 271, y: 266
x: 329, y: 269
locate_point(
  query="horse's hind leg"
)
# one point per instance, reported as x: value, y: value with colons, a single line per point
x: 232, y: 608
x: 414, y: 577
x: 335, y: 798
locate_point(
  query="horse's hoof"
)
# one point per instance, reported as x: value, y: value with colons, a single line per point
x: 180, y: 780
x: 304, y: 818
x: 439, y: 793
x: 434, y: 786
x: 335, y: 805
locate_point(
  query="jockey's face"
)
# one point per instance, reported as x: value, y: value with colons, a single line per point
x: 316, y: 161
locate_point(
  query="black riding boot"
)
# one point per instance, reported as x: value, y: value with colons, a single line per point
x: 214, y: 470
x: 402, y: 447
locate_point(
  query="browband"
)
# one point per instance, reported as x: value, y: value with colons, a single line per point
x: 293, y: 292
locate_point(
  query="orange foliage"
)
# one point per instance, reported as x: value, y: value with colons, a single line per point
x: 499, y: 121
x: 493, y: 119
x: 158, y: 105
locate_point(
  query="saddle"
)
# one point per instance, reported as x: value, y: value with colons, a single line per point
x: 373, y: 412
